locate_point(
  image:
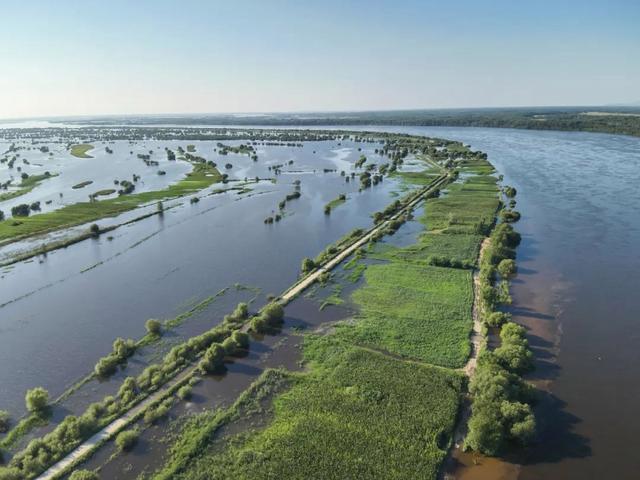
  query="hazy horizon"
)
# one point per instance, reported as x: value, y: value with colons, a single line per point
x: 148, y: 58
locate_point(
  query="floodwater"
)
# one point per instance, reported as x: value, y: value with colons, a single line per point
x: 60, y: 313
x: 576, y: 290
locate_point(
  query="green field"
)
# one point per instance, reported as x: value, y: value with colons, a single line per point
x: 201, y: 177
x: 349, y: 418
x: 418, y: 312
x: 81, y: 150
x: 26, y: 186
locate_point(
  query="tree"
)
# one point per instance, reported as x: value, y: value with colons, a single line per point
x: 21, y: 210
x: 153, y: 326
x: 497, y: 319
x: 1, y: 215
x: 36, y: 400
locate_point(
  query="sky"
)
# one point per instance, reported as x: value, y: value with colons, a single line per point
x: 92, y: 57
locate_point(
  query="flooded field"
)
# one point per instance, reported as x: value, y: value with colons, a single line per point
x: 574, y: 290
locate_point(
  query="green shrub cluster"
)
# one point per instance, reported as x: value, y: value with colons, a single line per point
x: 84, y: 475
x: 269, y: 318
x: 122, y: 350
x: 126, y: 440
x: 501, y: 409
x: 37, y: 400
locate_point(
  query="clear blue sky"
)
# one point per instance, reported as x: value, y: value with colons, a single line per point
x: 115, y: 56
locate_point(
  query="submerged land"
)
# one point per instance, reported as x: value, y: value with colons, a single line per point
x: 381, y: 390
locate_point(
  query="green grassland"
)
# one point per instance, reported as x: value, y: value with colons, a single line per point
x: 200, y: 177
x: 26, y: 186
x: 348, y: 418
x: 419, y: 312
x: 81, y: 150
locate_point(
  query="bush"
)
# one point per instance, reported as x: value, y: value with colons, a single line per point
x: 308, y: 265
x: 153, y: 326
x: 95, y: 230
x: 241, y: 338
x: 230, y: 346
x: 273, y: 313
x: 106, y: 366
x: 126, y: 440
x: 515, y: 358
x: 507, y: 267
x: 497, y: 319
x: 510, y: 191
x: 184, y: 392
x: 10, y: 473
x: 510, y: 216
x: 153, y: 414
x: 241, y: 312
x: 128, y: 390
x: 84, y: 475
x: 4, y: 421
x: 36, y: 400
x: 213, y: 359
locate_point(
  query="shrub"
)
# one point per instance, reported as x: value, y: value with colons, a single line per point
x: 184, y: 392
x: 123, y: 349
x: 1, y: 215
x: 510, y: 191
x: 128, y: 390
x: 308, y: 265
x: 213, y: 359
x: 4, y: 421
x: 497, y: 319
x: 230, y: 346
x: 10, y: 473
x: 515, y: 358
x: 84, y: 475
x: 95, y: 230
x: 36, y: 400
x: 510, y: 216
x: 153, y: 326
x: 241, y: 338
x: 153, y: 414
x: 126, y: 440
x: 106, y: 366
x: 241, y: 312
x: 507, y: 267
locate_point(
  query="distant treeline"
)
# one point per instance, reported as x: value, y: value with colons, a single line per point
x: 618, y: 120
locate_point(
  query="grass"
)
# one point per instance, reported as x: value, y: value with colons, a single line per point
x: 348, y: 418
x: 415, y: 311
x: 26, y: 186
x: 201, y: 177
x: 81, y: 150
x: 339, y: 200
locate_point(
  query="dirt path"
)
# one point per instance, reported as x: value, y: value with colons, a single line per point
x: 94, y: 442
x: 476, y: 333
x: 477, y: 339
